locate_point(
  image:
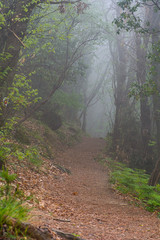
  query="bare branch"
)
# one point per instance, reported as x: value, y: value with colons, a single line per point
x: 17, y: 37
x: 65, y: 2
x: 156, y: 4
x: 81, y: 45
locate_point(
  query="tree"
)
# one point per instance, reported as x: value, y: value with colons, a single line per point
x: 57, y: 58
x: 130, y: 20
x: 14, y: 19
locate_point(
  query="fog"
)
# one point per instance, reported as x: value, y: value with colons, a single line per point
x: 101, y: 110
x: 100, y: 114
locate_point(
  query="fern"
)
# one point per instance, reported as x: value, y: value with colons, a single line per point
x: 135, y: 183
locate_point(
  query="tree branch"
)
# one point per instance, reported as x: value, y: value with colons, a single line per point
x: 17, y: 37
x: 156, y: 4
x: 94, y: 92
x: 55, y: 87
x: 65, y: 2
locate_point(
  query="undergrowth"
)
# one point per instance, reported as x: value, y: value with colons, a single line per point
x: 31, y: 155
x: 134, y: 182
x: 11, y: 206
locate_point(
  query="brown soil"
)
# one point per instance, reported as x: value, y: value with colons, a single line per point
x: 88, y: 205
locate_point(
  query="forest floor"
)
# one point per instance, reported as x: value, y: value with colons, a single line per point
x: 83, y: 203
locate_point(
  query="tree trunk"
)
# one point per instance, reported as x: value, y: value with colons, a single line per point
x: 147, y: 161
x: 12, y: 35
x: 155, y: 176
x: 120, y: 90
x: 84, y: 120
x: 11, y: 41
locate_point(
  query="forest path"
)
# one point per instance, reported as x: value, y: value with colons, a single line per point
x: 88, y: 205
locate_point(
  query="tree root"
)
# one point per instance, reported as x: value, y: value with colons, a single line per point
x: 39, y: 233
x: 68, y: 236
x: 30, y: 230
x: 61, y: 220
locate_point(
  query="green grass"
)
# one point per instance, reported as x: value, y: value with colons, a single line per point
x: 134, y: 182
x: 11, y: 206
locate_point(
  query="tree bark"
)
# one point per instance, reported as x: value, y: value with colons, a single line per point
x: 120, y: 90
x: 84, y: 120
x: 155, y: 176
x: 147, y: 161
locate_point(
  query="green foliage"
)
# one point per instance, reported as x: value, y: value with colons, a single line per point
x: 22, y: 95
x: 143, y: 90
x: 54, y: 47
x: 135, y: 183
x: 11, y: 202
x: 8, y: 178
x: 31, y: 154
x: 4, y: 152
x: 76, y: 235
x: 152, y: 143
x: 22, y: 154
x: 130, y: 20
x: 11, y: 208
x: 2, y: 20
x: 127, y: 19
x: 19, y: 155
x: 71, y: 100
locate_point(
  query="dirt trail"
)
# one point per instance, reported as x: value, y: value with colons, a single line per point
x: 88, y: 183
x: 93, y: 210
